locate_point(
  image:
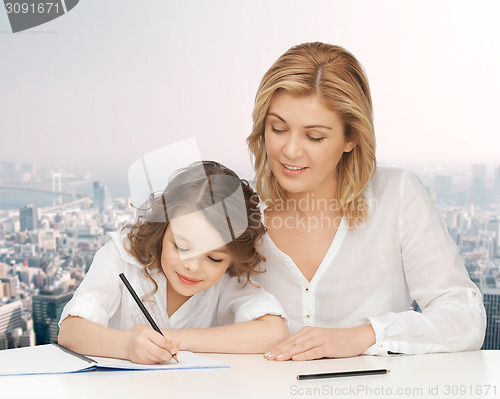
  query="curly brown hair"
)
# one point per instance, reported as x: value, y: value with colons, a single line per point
x: 197, y: 188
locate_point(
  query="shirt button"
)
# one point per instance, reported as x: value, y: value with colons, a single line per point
x: 473, y: 293
x: 307, y: 289
x: 308, y: 315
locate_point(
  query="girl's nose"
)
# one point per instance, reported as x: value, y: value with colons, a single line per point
x: 193, y: 264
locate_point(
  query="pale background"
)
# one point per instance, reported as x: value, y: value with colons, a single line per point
x: 113, y: 80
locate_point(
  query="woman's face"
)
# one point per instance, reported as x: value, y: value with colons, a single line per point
x: 304, y: 142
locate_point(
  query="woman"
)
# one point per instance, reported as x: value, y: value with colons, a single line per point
x: 349, y: 246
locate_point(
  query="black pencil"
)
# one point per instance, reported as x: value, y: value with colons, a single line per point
x: 342, y: 374
x: 143, y: 308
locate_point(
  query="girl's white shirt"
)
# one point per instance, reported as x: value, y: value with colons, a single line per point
x: 103, y: 298
x: 371, y: 274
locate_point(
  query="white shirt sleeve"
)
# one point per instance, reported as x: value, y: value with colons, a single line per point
x: 99, y: 295
x: 453, y: 316
x: 239, y: 303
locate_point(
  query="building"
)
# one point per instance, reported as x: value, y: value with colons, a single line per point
x: 47, y: 240
x: 9, y: 287
x: 491, y: 298
x: 27, y: 339
x: 496, y: 187
x: 478, y: 187
x: 99, y: 196
x: 10, y: 320
x: 4, y: 268
x: 443, y: 186
x: 28, y: 218
x: 493, y: 225
x: 47, y: 309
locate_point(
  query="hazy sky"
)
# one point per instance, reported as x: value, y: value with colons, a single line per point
x: 111, y: 81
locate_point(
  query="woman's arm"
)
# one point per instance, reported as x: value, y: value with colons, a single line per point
x: 453, y: 316
x: 316, y: 342
x: 256, y: 336
x: 140, y: 344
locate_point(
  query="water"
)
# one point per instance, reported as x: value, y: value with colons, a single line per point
x: 11, y: 198
x: 14, y: 198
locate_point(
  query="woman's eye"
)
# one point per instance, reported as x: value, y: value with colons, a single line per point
x: 276, y: 130
x: 215, y: 260
x: 180, y: 249
x: 316, y: 139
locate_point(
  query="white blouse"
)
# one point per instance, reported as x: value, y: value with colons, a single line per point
x: 371, y: 274
x: 103, y: 298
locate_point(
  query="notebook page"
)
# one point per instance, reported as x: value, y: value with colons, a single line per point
x: 41, y: 359
x: 187, y: 360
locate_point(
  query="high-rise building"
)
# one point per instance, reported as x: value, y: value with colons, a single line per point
x: 491, y: 298
x: 443, y: 187
x: 47, y: 309
x: 27, y: 339
x: 99, y: 195
x: 493, y: 226
x: 496, y: 187
x: 478, y: 188
x: 11, y: 285
x: 47, y: 240
x: 10, y: 317
x: 4, y: 268
x: 28, y: 218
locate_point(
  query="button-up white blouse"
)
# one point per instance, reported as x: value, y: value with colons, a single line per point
x: 371, y: 274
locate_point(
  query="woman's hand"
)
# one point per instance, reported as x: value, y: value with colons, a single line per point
x: 315, y: 343
x: 146, y: 346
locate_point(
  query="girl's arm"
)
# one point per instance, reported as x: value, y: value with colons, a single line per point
x: 140, y: 344
x: 256, y: 336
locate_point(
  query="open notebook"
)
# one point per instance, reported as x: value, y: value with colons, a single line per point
x: 56, y: 359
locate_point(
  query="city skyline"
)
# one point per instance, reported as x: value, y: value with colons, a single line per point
x: 45, y: 252
x: 118, y: 185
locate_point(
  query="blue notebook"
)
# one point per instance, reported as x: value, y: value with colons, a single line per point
x: 56, y: 359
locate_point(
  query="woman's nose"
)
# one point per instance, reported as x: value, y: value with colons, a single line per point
x: 293, y: 147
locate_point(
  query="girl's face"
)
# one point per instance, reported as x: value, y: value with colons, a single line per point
x: 193, y: 256
x: 304, y: 143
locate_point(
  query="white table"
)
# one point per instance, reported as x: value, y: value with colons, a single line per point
x: 455, y: 375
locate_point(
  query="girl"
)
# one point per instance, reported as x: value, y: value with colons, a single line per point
x: 191, y: 259
x: 348, y: 246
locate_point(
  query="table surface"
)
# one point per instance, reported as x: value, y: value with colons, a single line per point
x: 473, y: 374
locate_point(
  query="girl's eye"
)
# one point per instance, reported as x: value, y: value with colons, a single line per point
x: 215, y: 260
x: 316, y: 139
x: 180, y: 249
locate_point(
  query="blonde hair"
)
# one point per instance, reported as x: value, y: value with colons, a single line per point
x: 337, y: 77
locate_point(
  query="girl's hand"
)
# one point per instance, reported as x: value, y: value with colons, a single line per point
x: 315, y: 343
x: 146, y: 346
